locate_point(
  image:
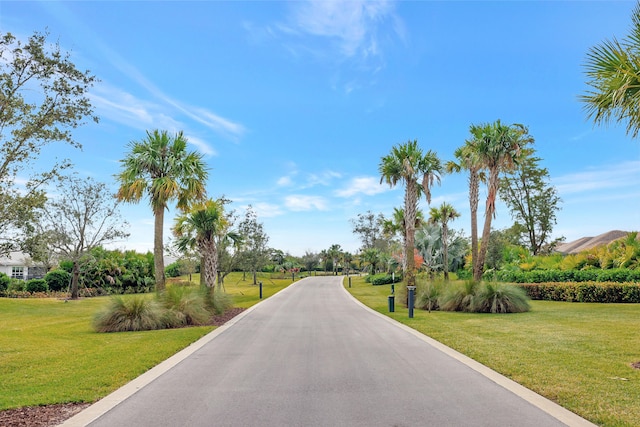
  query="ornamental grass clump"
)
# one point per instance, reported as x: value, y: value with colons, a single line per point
x: 217, y: 302
x: 184, y: 305
x: 136, y: 313
x: 499, y: 298
x: 429, y: 294
x: 458, y: 296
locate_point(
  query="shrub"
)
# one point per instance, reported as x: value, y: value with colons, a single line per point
x: 602, y: 292
x: 428, y: 294
x: 499, y: 298
x: 58, y: 280
x: 172, y: 270
x: 131, y: 314
x: 186, y: 306
x: 17, y: 285
x: 383, y: 279
x: 217, y: 302
x: 4, y: 282
x: 457, y: 296
x: 37, y: 285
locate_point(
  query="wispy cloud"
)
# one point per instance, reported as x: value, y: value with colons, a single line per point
x: 367, y: 185
x: 298, y: 202
x: 323, y: 178
x: 352, y: 24
x: 618, y: 176
x: 267, y: 210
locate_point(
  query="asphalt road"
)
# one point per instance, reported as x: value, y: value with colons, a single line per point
x: 312, y: 356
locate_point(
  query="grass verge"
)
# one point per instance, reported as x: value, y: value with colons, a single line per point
x: 49, y: 352
x: 576, y: 354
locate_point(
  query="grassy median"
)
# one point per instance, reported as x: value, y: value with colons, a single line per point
x: 577, y: 354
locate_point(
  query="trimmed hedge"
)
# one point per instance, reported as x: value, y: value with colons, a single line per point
x: 382, y: 279
x: 618, y: 275
x: 603, y: 292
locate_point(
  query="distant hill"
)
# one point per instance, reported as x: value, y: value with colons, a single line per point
x: 585, y: 243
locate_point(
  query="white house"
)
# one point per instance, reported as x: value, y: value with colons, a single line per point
x: 20, y: 266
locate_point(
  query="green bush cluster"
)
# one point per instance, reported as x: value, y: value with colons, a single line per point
x: 36, y: 285
x: 58, y: 280
x: 383, y: 279
x: 619, y: 275
x: 602, y: 292
x: 4, y: 282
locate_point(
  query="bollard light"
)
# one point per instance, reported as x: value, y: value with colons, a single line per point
x: 412, y: 290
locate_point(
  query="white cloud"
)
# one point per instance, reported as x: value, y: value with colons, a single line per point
x: 617, y: 176
x: 267, y: 210
x: 352, y: 23
x: 201, y: 145
x: 285, y: 181
x: 323, y: 178
x: 305, y: 203
x: 363, y: 185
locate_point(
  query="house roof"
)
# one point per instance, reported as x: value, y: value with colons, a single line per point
x: 16, y: 259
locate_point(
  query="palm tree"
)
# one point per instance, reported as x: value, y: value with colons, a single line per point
x: 160, y: 168
x: 395, y: 224
x: 200, y: 227
x: 613, y: 69
x: 498, y: 150
x: 334, y: 252
x: 467, y: 159
x: 407, y: 163
x: 442, y: 216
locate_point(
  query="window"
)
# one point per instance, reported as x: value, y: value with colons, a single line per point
x: 17, y: 273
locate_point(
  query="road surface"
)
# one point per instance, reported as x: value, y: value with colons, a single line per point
x: 312, y: 356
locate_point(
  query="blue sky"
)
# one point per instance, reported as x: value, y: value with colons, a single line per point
x: 294, y: 103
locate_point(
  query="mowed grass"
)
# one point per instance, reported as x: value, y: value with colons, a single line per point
x: 576, y: 354
x: 49, y: 352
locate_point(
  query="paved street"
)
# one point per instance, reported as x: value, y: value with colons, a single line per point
x: 312, y: 356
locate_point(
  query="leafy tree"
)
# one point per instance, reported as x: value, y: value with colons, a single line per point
x: 533, y: 201
x: 418, y: 171
x: 83, y: 218
x: 369, y: 227
x: 255, y: 252
x: 199, y: 228
x: 441, y: 216
x: 160, y: 167
x: 613, y: 72
x: 498, y: 150
x: 43, y: 97
x: 310, y: 261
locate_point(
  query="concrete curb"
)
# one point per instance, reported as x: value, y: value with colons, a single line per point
x: 110, y: 401
x: 558, y: 412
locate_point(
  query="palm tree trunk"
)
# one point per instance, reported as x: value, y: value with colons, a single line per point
x: 445, y: 249
x: 210, y: 258
x: 158, y: 248
x: 474, y: 189
x: 486, y: 231
x: 410, y: 207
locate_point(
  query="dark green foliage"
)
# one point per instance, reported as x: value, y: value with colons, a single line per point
x: 383, y: 279
x: 172, y: 270
x: 17, y: 285
x: 603, y: 292
x: 499, y: 298
x: 37, y: 285
x: 136, y: 313
x: 620, y: 275
x: 58, y: 280
x: 4, y: 282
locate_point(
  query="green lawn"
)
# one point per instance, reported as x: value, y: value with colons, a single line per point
x: 50, y: 354
x: 576, y: 354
